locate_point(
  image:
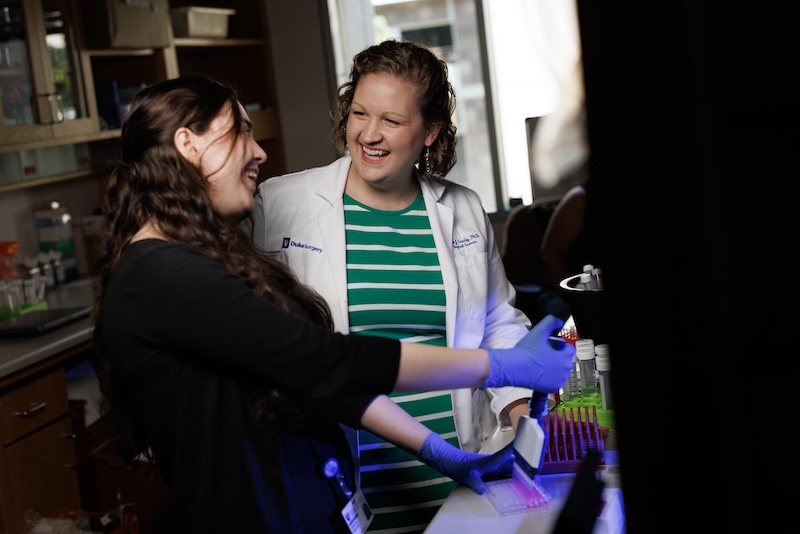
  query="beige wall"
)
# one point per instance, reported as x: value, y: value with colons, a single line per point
x: 305, y: 79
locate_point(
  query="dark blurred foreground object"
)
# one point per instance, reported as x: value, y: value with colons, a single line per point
x: 139, y: 484
x: 537, y: 295
x: 110, y: 522
x: 585, y: 499
x: 587, y: 307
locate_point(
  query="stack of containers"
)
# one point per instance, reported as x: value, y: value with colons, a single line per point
x: 571, y: 388
x: 584, y: 351
x: 56, y: 243
x: 10, y: 284
x: 603, y: 361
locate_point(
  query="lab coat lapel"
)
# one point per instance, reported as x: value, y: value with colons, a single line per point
x: 441, y: 219
x: 330, y: 223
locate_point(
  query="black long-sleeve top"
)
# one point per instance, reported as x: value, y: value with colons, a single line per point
x: 188, y: 342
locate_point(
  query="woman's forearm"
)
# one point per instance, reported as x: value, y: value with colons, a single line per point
x: 428, y: 368
x: 386, y: 419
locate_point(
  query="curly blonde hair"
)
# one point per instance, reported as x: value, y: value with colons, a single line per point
x: 417, y: 64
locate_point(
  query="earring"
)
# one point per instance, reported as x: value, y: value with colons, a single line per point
x: 427, y: 160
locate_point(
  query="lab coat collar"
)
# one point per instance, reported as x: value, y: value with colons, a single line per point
x: 435, y: 187
x: 331, y: 187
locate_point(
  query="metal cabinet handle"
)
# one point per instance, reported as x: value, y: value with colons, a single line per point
x: 38, y: 407
x: 56, y: 104
x: 61, y: 113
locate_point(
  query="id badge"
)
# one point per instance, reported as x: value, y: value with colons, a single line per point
x: 357, y: 514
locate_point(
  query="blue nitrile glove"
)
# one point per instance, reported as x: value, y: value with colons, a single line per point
x: 464, y: 467
x: 533, y: 362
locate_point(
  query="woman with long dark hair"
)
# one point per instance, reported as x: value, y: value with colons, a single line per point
x: 214, y: 361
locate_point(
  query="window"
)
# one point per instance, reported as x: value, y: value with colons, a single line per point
x: 528, y: 47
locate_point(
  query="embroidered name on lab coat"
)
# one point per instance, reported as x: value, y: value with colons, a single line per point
x: 464, y: 242
x: 287, y: 242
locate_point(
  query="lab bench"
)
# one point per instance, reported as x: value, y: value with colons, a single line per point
x: 466, y: 512
x: 39, y: 460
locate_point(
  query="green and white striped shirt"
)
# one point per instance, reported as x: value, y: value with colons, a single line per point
x: 395, y: 289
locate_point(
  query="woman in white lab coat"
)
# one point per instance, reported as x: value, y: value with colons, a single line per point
x: 398, y: 251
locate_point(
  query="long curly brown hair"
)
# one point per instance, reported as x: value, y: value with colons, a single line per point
x: 153, y: 182
x: 417, y: 64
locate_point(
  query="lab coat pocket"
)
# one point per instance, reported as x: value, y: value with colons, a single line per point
x: 471, y: 270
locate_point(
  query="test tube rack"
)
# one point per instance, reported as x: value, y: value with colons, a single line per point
x: 570, y: 438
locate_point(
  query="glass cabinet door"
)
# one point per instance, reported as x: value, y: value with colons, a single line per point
x: 16, y: 80
x: 41, y: 79
x: 66, y: 97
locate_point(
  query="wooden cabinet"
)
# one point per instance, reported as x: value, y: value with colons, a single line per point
x: 27, y: 406
x: 94, y: 74
x: 43, y: 75
x: 38, y: 460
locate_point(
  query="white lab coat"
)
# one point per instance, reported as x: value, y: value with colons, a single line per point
x: 300, y: 217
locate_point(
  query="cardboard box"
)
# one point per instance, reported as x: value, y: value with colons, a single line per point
x: 10, y: 168
x: 56, y: 160
x: 83, y: 156
x: 200, y: 21
x: 126, y: 23
x: 19, y: 166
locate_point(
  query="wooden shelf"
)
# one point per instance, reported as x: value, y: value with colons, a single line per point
x: 216, y: 43
x: 45, y: 180
x: 13, y: 72
x: 121, y: 52
x: 82, y: 138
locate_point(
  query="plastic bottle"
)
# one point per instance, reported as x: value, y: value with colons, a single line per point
x: 588, y: 281
x: 571, y: 387
x: 597, y: 277
x: 603, y: 363
x: 590, y: 277
x: 584, y: 351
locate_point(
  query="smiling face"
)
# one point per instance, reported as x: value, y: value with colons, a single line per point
x: 228, y: 159
x: 386, y: 132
